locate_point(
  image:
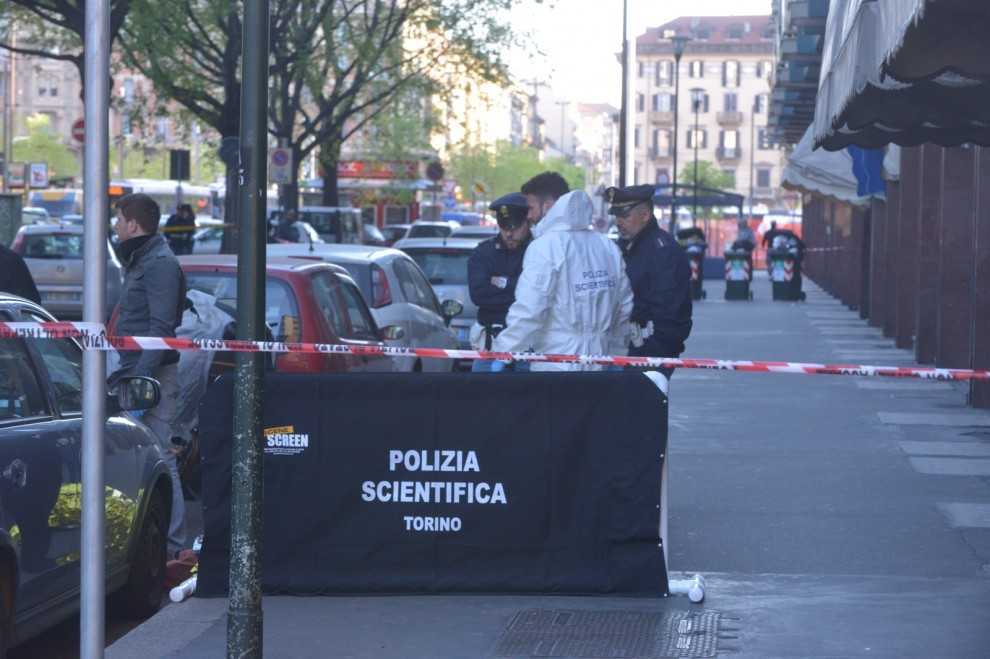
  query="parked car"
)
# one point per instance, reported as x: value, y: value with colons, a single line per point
x: 305, y: 301
x: 208, y: 236
x: 477, y: 232
x: 40, y: 486
x: 374, y: 236
x: 395, y: 232
x: 397, y: 292
x: 334, y: 224
x: 33, y: 215
x: 465, y: 218
x: 72, y: 218
x: 444, y: 262
x: 54, y: 255
x: 431, y: 229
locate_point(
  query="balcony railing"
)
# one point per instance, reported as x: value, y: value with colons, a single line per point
x: 662, y: 117
x: 727, y: 153
x: 730, y: 118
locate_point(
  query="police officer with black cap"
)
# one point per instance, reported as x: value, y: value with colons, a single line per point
x: 659, y: 272
x: 494, y: 269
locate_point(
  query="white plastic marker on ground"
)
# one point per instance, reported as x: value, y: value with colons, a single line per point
x: 183, y: 590
x: 92, y: 336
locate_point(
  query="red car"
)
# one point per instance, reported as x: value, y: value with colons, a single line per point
x: 310, y: 302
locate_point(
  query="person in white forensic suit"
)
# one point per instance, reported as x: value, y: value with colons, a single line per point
x: 573, y: 296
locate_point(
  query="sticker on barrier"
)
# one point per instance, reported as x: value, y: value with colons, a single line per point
x: 93, y: 336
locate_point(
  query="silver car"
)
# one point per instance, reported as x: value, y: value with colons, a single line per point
x: 54, y: 255
x: 440, y: 229
x: 396, y: 292
x: 444, y: 262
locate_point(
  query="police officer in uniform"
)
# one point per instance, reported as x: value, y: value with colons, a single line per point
x: 493, y: 271
x: 659, y: 272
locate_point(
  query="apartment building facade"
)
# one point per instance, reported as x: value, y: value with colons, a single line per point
x: 724, y: 74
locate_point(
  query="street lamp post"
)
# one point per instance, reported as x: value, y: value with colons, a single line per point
x: 697, y: 96
x: 679, y: 42
x: 563, y: 120
x: 752, y: 152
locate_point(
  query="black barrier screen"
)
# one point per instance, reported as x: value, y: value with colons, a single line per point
x: 543, y: 483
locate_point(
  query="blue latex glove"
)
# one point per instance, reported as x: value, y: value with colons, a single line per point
x: 499, y: 365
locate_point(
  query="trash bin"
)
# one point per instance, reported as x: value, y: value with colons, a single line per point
x: 785, y: 271
x: 693, y: 241
x: 739, y: 271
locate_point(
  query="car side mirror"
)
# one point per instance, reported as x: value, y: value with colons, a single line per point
x: 450, y: 309
x: 135, y: 393
x: 392, y: 333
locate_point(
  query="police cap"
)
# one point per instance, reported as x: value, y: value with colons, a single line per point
x: 622, y: 200
x: 510, y: 210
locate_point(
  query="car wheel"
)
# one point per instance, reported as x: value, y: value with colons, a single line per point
x: 142, y: 595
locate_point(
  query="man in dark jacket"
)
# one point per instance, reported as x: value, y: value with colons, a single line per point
x: 659, y: 272
x: 493, y: 271
x: 15, y: 278
x: 180, y: 228
x: 151, y: 304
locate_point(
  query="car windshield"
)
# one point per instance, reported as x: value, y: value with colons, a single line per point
x: 442, y: 266
x: 429, y: 231
x: 373, y: 233
x: 361, y: 274
x: 280, y: 302
x: 394, y: 233
x: 52, y: 246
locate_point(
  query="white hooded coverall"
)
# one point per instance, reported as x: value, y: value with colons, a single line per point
x: 573, y: 296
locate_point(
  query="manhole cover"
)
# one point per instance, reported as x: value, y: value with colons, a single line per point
x: 610, y: 634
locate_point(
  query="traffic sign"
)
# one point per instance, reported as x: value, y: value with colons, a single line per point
x: 280, y: 165
x: 79, y: 130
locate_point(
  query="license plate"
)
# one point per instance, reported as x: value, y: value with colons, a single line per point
x: 61, y: 297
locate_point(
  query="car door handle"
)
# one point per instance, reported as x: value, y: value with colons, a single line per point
x: 16, y: 473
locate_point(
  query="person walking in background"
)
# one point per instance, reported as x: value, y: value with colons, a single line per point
x: 180, y: 228
x: 493, y: 272
x: 151, y: 304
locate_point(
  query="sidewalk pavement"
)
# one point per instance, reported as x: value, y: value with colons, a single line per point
x: 831, y: 516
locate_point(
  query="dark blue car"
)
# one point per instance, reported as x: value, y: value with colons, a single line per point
x: 40, y: 485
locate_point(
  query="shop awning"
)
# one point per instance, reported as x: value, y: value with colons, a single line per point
x: 904, y: 72
x: 827, y: 173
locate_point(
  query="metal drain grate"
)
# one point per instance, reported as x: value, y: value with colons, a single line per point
x: 610, y: 634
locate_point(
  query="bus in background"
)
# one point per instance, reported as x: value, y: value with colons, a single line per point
x: 166, y: 194
x: 58, y: 202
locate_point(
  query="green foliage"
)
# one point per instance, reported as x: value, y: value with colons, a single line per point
x: 709, y: 176
x: 506, y: 169
x: 41, y: 146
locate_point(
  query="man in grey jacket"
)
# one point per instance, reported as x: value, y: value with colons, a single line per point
x: 151, y: 304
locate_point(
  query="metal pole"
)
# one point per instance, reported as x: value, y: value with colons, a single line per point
x: 624, y: 112
x: 244, y: 615
x: 752, y: 155
x: 8, y: 107
x: 694, y: 210
x: 673, y: 179
x: 96, y: 207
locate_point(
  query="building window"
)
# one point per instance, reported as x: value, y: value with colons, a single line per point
x: 640, y: 102
x: 655, y: 141
x: 731, y: 103
x: 636, y: 174
x: 762, y: 139
x: 763, y: 178
x: 763, y: 69
x: 730, y: 139
x: 699, y: 101
x: 125, y: 125
x: 665, y: 73
x: 636, y: 137
x: 735, y: 31
x: 663, y: 103
x: 731, y: 173
x: 641, y: 69
x: 730, y: 74
x: 759, y: 103
x: 699, y: 136
x: 663, y: 177
x: 697, y: 69
x: 666, y: 149
x: 127, y: 91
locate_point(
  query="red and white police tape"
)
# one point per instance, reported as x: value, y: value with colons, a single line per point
x: 92, y: 336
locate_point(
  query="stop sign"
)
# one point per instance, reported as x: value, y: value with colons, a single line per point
x: 79, y: 130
